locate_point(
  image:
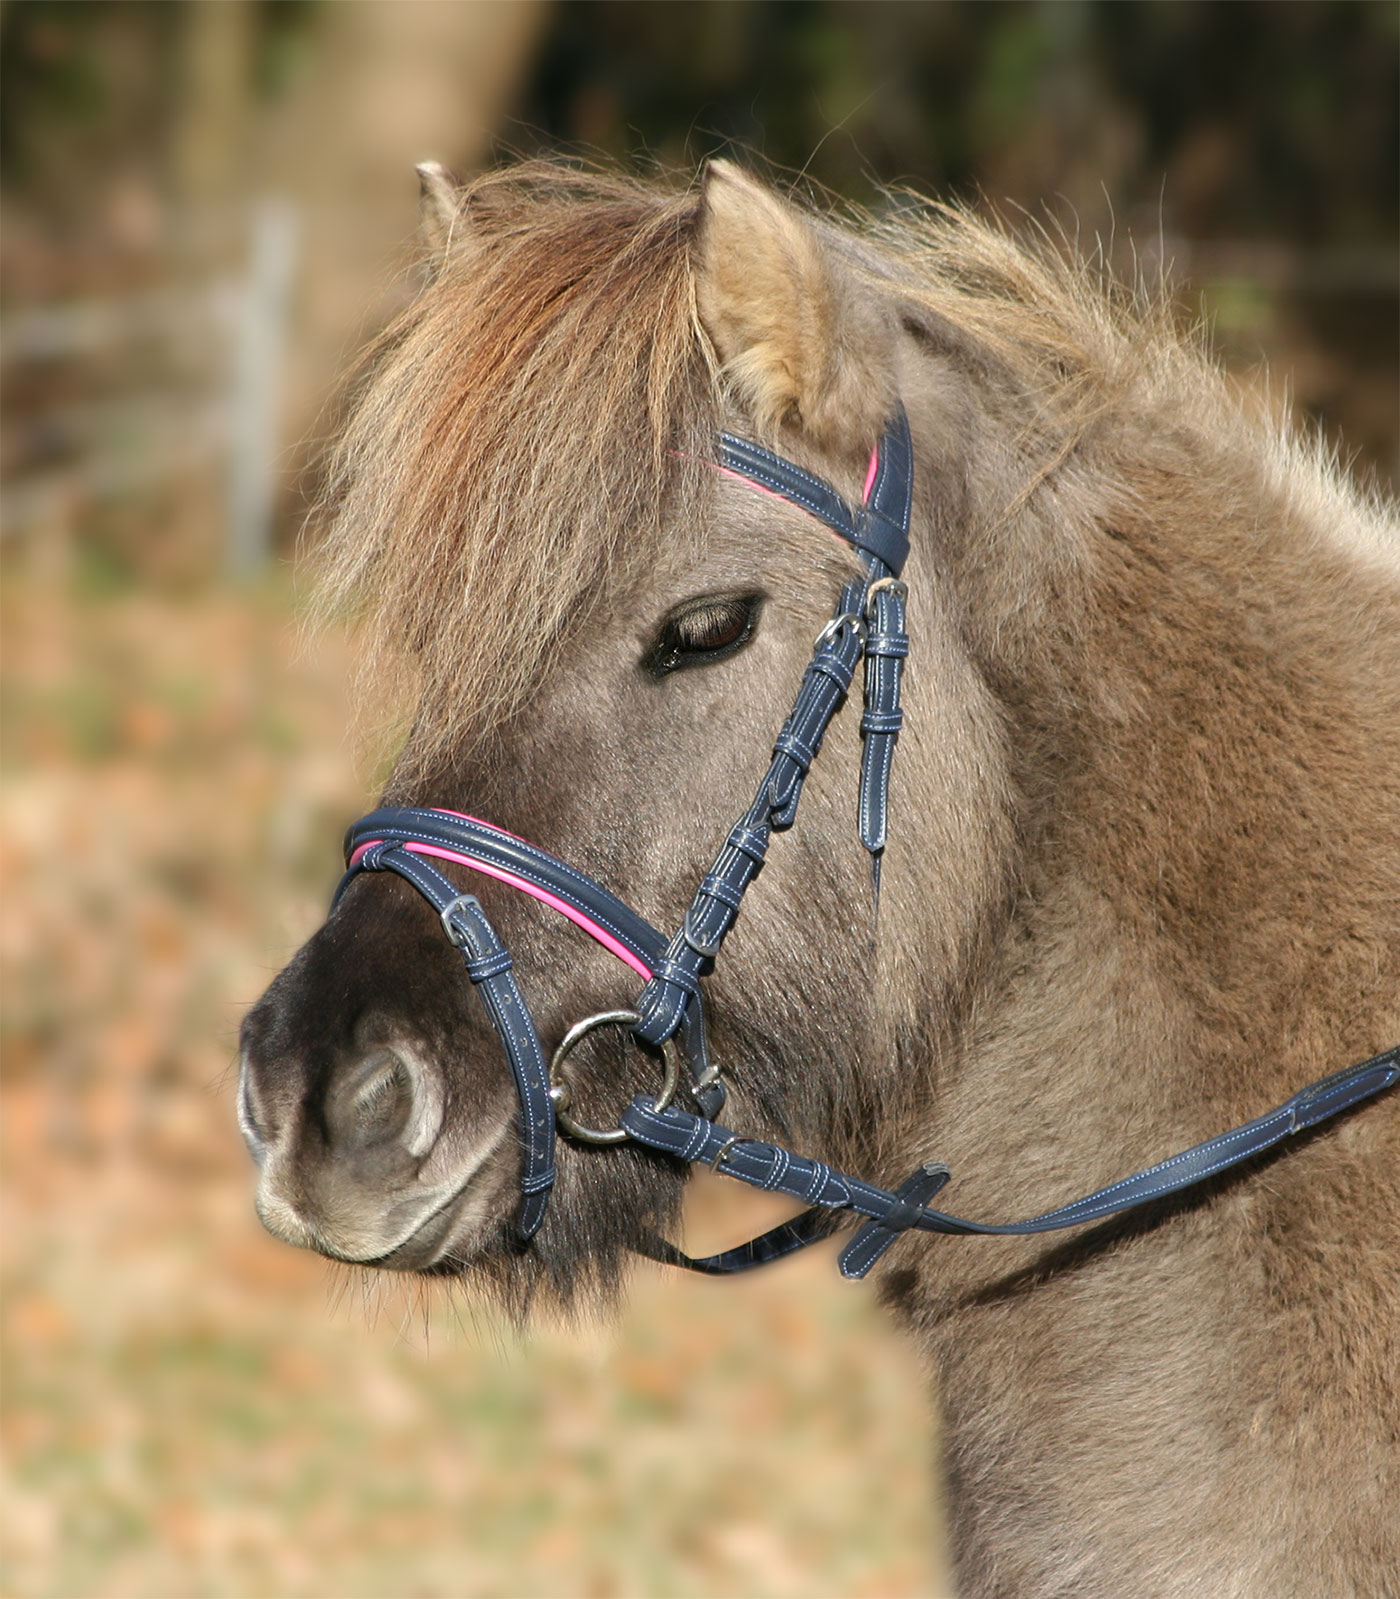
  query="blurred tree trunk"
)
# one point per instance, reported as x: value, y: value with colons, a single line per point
x: 390, y: 83
x: 210, y: 132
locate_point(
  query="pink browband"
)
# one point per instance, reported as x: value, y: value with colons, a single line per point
x: 762, y: 488
x: 576, y: 916
x: 870, y: 472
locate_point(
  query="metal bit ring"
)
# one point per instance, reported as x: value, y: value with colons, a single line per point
x: 560, y: 1093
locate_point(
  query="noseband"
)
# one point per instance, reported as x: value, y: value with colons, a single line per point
x: 867, y: 625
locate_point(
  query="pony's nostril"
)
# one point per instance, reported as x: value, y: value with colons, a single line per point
x: 381, y: 1104
x: 389, y: 1096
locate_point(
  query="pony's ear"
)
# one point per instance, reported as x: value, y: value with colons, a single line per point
x: 800, y: 338
x: 439, y: 211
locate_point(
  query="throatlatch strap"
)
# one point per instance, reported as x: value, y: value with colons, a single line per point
x: 886, y: 646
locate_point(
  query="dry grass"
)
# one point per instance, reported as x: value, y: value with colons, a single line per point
x: 193, y: 1409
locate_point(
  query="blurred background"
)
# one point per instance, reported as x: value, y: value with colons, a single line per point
x: 206, y: 209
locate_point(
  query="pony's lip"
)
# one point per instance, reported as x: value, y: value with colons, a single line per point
x: 448, y: 1224
x: 427, y: 1243
x: 437, y: 1230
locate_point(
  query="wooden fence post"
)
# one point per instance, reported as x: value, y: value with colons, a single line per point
x: 258, y: 333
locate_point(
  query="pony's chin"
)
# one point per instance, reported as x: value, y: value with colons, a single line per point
x: 451, y: 1238
x: 440, y: 1230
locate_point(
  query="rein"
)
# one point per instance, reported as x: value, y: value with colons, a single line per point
x: 868, y: 625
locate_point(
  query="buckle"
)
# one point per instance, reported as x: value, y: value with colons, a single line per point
x: 455, y: 934
x: 834, y: 626
x: 894, y: 585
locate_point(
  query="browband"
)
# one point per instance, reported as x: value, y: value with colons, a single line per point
x: 878, y: 527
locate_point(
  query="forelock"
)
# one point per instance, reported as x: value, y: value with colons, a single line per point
x: 517, y: 439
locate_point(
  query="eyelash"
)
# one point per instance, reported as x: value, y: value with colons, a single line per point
x: 676, y: 647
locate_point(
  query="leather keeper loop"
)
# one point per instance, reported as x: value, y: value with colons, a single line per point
x: 799, y: 753
x: 832, y: 666
x: 660, y: 1018
x: 882, y: 721
x: 486, y: 967
x: 725, y: 892
x: 669, y: 970
x: 894, y: 645
x: 748, y: 842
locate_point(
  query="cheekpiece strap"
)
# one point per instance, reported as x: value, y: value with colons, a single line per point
x: 869, y: 621
x: 879, y: 529
x: 665, y: 1000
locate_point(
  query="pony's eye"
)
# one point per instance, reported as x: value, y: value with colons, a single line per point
x: 705, y: 631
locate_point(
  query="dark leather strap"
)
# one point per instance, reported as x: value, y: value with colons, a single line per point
x: 480, y: 841
x: 693, y: 1139
x: 675, y: 985
x: 882, y: 525
x: 810, y: 1227
x: 886, y: 646
x: 879, y: 528
x: 786, y: 1239
x: 489, y: 967
x: 789, y: 481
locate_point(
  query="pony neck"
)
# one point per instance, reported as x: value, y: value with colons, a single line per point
x: 1207, y: 876
x: 1197, y: 680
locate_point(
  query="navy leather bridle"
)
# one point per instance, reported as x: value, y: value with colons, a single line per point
x: 868, y: 626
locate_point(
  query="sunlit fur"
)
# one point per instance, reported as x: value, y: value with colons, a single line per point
x: 1144, y: 872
